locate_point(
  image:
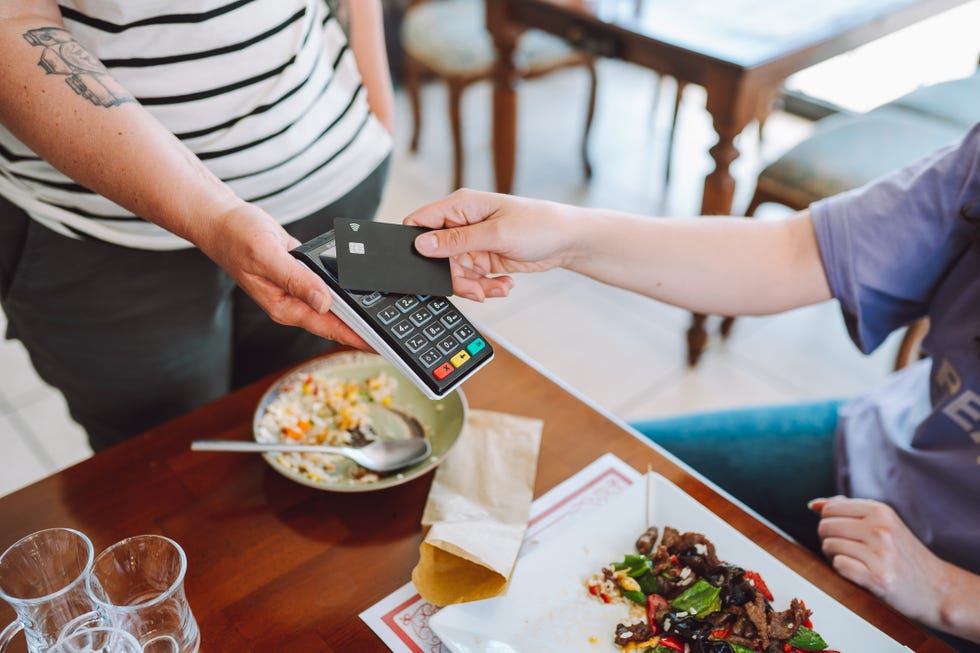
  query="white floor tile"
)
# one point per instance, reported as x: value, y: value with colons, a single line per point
x: 49, y: 423
x: 582, y: 337
x: 718, y: 382
x: 18, y: 380
x: 19, y: 464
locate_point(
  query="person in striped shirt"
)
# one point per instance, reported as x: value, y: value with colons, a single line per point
x: 157, y: 162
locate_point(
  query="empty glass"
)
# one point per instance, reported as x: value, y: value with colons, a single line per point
x: 98, y: 639
x: 138, y: 586
x: 42, y: 577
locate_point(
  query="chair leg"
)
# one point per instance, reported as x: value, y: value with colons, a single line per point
x: 726, y: 326
x: 910, y: 349
x: 754, y: 204
x: 673, y: 128
x: 697, y: 338
x: 655, y: 98
x: 589, y: 115
x: 455, y: 122
x: 412, y: 75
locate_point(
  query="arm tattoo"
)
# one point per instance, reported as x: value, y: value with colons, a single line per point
x: 83, y: 73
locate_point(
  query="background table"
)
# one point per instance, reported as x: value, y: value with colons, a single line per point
x: 277, y: 566
x: 740, y: 51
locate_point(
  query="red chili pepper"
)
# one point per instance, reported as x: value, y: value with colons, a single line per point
x: 593, y: 590
x: 787, y: 648
x: 808, y: 623
x: 671, y: 643
x: 759, y: 584
x: 675, y: 560
x: 654, y: 601
x: 721, y: 634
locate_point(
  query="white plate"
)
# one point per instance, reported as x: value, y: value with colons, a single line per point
x: 548, y: 608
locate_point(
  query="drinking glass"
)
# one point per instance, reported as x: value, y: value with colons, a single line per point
x: 97, y: 639
x: 138, y: 586
x: 42, y: 577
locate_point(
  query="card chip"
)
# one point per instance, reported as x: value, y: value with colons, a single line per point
x: 356, y: 248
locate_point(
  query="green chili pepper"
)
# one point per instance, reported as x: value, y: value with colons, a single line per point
x: 738, y: 648
x: 648, y: 583
x: 636, y: 564
x: 640, y: 570
x: 635, y: 596
x: 807, y: 640
x: 701, y: 598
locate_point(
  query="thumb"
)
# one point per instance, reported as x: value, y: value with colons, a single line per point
x: 299, y: 281
x: 443, y: 243
x: 817, y: 504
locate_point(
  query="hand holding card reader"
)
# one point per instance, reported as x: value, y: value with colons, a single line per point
x: 425, y: 337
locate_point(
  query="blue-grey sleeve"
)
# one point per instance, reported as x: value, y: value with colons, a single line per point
x: 886, y: 246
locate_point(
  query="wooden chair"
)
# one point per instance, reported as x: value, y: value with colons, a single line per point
x: 847, y: 151
x: 448, y: 39
x: 910, y: 349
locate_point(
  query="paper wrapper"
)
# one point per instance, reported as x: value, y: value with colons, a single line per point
x: 478, y: 509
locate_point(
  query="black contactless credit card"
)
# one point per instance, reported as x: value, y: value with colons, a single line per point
x: 380, y: 256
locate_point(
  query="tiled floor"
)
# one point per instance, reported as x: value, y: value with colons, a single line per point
x: 624, y: 351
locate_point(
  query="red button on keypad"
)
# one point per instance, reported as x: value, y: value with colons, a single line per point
x: 443, y: 371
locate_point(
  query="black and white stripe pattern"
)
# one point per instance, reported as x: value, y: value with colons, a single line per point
x: 265, y: 92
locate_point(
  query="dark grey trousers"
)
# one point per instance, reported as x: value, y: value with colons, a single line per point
x: 133, y: 337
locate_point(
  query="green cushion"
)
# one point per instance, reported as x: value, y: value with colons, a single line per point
x: 847, y: 151
x: 956, y: 101
x: 450, y: 37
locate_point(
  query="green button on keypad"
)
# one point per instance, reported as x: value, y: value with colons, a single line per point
x: 476, y: 346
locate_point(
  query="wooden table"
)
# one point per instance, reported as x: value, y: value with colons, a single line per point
x: 277, y: 566
x: 740, y: 51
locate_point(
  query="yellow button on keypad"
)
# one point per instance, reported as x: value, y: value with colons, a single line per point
x: 459, y: 358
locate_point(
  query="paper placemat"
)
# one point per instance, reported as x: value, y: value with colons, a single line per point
x: 401, y: 619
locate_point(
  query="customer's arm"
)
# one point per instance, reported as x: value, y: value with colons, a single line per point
x: 367, y: 42
x: 95, y: 132
x: 870, y: 545
x: 726, y: 266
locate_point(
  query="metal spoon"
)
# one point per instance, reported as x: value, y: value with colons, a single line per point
x: 378, y: 456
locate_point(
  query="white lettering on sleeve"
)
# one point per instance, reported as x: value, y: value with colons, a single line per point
x: 947, y: 377
x: 965, y: 411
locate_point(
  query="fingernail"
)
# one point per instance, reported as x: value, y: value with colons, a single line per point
x: 496, y: 292
x: 426, y: 243
x: 317, y: 301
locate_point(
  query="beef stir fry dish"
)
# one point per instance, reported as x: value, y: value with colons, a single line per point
x: 683, y: 598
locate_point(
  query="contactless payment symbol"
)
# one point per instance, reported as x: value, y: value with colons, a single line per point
x: 354, y: 226
x: 355, y: 248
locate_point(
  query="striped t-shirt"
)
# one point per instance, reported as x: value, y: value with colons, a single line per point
x: 265, y: 92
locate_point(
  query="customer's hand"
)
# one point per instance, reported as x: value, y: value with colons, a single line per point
x: 254, y: 250
x: 869, y: 544
x: 485, y: 234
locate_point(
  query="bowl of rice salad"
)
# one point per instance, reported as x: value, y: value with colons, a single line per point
x: 351, y: 398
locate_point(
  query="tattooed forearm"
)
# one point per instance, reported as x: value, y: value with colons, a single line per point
x: 83, y: 73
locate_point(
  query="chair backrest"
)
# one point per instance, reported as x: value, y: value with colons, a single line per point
x: 910, y: 349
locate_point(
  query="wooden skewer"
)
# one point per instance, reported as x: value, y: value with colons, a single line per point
x: 648, y: 502
x: 660, y: 530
